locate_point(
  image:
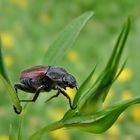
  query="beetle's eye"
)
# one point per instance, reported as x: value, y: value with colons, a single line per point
x: 65, y: 80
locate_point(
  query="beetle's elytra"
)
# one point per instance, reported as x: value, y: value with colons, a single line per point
x: 45, y: 78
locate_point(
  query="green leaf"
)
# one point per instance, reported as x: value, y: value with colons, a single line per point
x: 19, y: 134
x: 37, y: 135
x: 82, y: 88
x: 11, y: 133
x: 2, y: 66
x: 65, y: 40
x: 98, y: 92
x: 100, y: 121
x: 6, y: 82
x: 120, y: 71
x: 11, y: 93
x: 97, y: 122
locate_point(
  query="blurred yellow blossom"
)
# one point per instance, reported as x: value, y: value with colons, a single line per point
x: 135, y: 113
x: 2, y: 112
x: 44, y: 18
x: 4, y: 137
x: 33, y: 122
x: 7, y: 40
x: 114, y: 130
x: 9, y: 60
x: 20, y: 3
x: 125, y: 75
x: 60, y: 134
x: 126, y: 95
x: 72, y: 56
x: 71, y: 92
x: 53, y: 116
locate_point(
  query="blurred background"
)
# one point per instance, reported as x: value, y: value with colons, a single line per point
x: 28, y: 27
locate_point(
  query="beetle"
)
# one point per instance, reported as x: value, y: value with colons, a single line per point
x: 38, y: 79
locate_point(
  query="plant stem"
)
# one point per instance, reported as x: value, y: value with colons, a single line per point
x: 51, y: 127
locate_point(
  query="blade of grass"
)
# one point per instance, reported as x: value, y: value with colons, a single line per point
x: 11, y: 93
x: 100, y: 121
x: 65, y: 40
x: 97, y: 122
x: 98, y: 92
x: 113, y: 63
x: 11, y: 134
x: 2, y: 66
x: 19, y: 135
x: 6, y: 82
x: 37, y: 135
x: 82, y: 88
x: 120, y: 71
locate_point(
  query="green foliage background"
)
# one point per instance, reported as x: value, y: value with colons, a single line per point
x: 30, y: 27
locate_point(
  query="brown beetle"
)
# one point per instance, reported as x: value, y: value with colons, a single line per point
x: 45, y: 78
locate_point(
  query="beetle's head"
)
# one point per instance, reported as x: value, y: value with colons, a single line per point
x: 70, y: 81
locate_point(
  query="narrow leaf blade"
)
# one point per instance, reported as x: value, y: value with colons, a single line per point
x: 65, y: 40
x: 2, y: 66
x: 11, y: 134
x: 99, y: 122
x: 11, y: 93
x: 82, y: 88
x: 6, y: 82
x: 99, y: 90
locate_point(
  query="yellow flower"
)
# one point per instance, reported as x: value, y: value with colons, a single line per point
x: 7, y: 40
x: 125, y: 75
x: 4, y: 137
x: 2, y: 112
x: 60, y: 134
x: 72, y: 56
x: 33, y: 122
x: 53, y: 116
x: 126, y: 95
x: 135, y: 113
x: 44, y: 18
x: 71, y: 92
x: 20, y: 3
x: 8, y: 59
x: 114, y: 130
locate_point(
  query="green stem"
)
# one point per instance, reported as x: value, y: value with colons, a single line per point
x: 51, y: 127
x: 12, y: 94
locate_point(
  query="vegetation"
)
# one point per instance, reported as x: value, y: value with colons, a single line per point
x: 96, y: 111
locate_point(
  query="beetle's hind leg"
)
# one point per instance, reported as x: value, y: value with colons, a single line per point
x: 37, y: 92
x: 54, y: 96
x: 19, y: 86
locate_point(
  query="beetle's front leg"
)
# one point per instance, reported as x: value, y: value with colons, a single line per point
x: 66, y: 95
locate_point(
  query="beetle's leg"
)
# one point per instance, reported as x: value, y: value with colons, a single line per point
x: 36, y: 94
x: 19, y: 86
x: 56, y: 95
x: 66, y: 95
